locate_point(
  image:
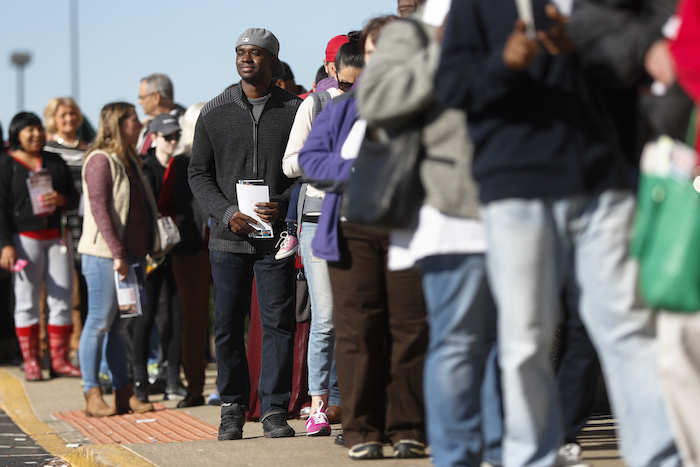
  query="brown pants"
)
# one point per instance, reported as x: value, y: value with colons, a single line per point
x: 381, y: 338
x: 193, y: 278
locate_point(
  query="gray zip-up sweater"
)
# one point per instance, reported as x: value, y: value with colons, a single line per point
x: 229, y: 146
x: 397, y: 87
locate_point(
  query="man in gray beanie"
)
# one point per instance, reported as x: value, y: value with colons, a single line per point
x: 241, y: 135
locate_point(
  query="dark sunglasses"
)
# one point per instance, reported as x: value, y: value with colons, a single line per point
x: 345, y: 86
x: 172, y: 137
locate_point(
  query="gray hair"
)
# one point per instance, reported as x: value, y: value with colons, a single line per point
x: 160, y: 83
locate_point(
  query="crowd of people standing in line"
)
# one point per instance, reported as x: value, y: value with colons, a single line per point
x: 438, y: 334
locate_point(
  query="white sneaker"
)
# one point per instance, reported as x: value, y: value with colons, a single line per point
x: 569, y: 455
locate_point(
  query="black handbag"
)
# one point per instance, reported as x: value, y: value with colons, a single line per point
x: 384, y: 190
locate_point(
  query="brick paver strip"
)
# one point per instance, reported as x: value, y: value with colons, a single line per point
x: 160, y: 426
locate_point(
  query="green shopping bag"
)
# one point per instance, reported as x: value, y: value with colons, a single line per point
x: 667, y: 242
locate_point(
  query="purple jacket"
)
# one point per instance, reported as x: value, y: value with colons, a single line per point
x: 324, y: 168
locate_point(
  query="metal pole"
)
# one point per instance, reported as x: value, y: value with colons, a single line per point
x: 20, y: 88
x: 20, y: 60
x: 75, y: 91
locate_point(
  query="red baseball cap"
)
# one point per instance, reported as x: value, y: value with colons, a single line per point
x: 333, y: 46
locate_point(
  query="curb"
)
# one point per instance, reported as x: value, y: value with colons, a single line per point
x: 19, y: 408
x: 106, y: 455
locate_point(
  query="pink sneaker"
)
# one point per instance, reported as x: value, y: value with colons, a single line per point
x: 290, y: 244
x: 318, y: 425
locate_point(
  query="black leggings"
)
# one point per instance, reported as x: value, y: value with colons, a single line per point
x: 163, y: 299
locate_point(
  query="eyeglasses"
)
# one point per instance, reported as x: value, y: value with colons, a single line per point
x: 171, y: 137
x: 147, y: 95
x: 345, y: 86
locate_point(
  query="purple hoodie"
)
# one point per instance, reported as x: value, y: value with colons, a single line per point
x: 326, y: 83
x: 324, y: 168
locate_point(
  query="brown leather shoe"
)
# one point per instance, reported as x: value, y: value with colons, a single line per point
x: 334, y: 414
x: 95, y: 405
x: 126, y: 401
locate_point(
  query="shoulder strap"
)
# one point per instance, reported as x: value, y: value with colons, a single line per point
x: 320, y: 101
x: 692, y: 133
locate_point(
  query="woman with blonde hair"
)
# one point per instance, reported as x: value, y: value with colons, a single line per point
x: 119, y: 230
x: 63, y: 118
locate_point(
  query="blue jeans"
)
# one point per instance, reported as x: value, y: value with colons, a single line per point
x: 461, y: 378
x: 530, y: 244
x: 323, y: 378
x: 103, y: 321
x: 233, y: 284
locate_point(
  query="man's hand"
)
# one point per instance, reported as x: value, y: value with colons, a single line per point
x: 555, y: 40
x: 268, y: 212
x: 519, y: 51
x: 8, y: 257
x: 659, y: 63
x: 240, y: 223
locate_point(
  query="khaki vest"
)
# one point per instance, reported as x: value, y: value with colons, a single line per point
x: 91, y: 241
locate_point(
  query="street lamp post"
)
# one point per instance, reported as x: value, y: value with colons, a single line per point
x: 74, y: 65
x: 20, y: 60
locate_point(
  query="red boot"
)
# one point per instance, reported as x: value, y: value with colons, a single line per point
x: 29, y: 344
x: 59, y: 342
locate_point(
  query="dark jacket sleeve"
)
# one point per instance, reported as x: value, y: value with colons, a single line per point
x: 202, y: 177
x: 614, y: 39
x: 64, y: 183
x: 471, y: 74
x: 5, y: 201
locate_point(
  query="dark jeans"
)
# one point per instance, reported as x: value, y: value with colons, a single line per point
x: 233, y: 281
x: 578, y: 370
x: 381, y: 340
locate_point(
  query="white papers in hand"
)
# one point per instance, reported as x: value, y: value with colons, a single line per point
x: 248, y: 195
x: 564, y: 6
x: 525, y: 14
x: 39, y: 183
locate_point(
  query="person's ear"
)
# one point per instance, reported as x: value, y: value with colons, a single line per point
x: 280, y: 82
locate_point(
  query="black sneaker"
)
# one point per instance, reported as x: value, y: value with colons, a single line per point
x: 339, y: 440
x: 232, y: 420
x: 175, y: 392
x: 191, y: 400
x: 370, y: 450
x: 275, y: 425
x: 409, y: 448
x: 157, y: 387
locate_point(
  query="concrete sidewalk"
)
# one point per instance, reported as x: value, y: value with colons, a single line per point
x: 33, y: 407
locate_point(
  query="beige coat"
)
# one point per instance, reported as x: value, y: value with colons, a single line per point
x: 91, y: 241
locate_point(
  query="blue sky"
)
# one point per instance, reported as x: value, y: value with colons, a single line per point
x: 191, y: 41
